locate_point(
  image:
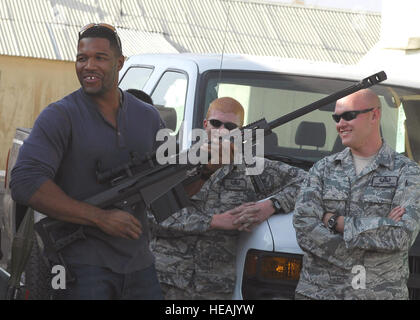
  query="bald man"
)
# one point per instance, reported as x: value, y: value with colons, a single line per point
x: 195, y: 248
x: 358, y: 212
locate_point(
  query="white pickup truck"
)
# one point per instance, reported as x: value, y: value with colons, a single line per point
x: 182, y: 86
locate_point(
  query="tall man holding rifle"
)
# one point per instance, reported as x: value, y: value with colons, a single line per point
x: 358, y: 212
x: 56, y: 166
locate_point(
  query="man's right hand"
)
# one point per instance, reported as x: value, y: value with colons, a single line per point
x: 239, y: 218
x: 119, y: 223
x: 220, y: 151
x: 396, y: 213
x: 52, y: 201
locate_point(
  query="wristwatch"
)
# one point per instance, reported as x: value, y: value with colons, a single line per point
x: 276, y: 205
x: 332, y: 222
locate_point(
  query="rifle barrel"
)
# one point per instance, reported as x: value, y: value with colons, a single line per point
x: 364, y: 84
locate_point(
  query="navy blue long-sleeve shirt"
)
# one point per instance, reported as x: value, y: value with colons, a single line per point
x: 68, y: 139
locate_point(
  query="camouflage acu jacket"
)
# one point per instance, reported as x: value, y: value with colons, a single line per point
x: 199, y: 261
x: 370, y: 240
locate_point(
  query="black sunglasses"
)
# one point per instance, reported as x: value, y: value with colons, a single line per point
x: 349, y: 115
x: 103, y: 25
x: 217, y: 124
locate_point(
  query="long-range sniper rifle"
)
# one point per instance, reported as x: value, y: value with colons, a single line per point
x: 160, y: 187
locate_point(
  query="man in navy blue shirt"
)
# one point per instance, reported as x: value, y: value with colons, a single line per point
x: 56, y: 167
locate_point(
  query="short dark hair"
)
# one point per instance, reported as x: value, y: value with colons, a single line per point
x: 143, y: 96
x: 98, y: 31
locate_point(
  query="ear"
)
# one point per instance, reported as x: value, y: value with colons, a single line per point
x: 205, y: 123
x: 121, y: 61
x: 376, y: 114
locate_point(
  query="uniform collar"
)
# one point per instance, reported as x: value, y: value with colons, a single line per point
x: 383, y: 158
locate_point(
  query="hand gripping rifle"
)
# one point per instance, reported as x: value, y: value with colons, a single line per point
x: 160, y: 187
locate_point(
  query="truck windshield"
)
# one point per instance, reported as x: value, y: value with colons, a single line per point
x: 313, y: 136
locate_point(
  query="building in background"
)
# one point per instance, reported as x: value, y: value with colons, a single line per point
x: 38, y: 43
x: 398, y: 53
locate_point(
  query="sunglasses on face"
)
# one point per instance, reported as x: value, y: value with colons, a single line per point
x: 103, y: 25
x: 349, y: 115
x: 228, y: 125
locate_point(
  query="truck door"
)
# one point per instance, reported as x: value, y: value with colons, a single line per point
x: 171, y: 83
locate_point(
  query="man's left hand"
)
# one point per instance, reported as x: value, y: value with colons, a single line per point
x: 395, y: 214
x: 251, y: 214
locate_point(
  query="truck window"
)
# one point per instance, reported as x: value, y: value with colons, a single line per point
x: 135, y: 78
x: 313, y: 136
x: 170, y: 93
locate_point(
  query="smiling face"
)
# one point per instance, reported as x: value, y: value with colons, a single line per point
x: 97, y: 65
x: 361, y: 134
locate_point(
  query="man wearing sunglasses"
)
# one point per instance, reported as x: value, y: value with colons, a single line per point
x: 358, y: 212
x: 55, y: 170
x: 195, y: 248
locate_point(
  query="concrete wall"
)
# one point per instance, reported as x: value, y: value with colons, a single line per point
x: 26, y: 87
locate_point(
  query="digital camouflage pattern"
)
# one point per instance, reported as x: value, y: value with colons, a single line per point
x: 370, y: 239
x: 194, y: 262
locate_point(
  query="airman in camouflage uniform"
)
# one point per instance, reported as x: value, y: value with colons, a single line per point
x: 195, y: 248
x: 195, y: 261
x: 378, y: 208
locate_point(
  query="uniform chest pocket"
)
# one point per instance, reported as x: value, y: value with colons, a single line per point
x: 377, y: 201
x: 234, y: 184
x: 331, y: 193
x: 334, y: 199
x: 379, y: 195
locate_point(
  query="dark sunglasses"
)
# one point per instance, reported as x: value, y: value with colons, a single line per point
x: 217, y: 124
x: 103, y: 25
x: 349, y: 115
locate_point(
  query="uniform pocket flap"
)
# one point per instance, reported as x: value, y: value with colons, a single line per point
x: 379, y: 195
x: 334, y: 193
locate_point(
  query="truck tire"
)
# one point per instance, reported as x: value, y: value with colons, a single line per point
x: 37, y: 276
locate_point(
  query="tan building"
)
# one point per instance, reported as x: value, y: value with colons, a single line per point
x: 38, y: 43
x: 27, y: 85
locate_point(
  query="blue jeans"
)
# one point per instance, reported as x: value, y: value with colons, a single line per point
x: 97, y: 283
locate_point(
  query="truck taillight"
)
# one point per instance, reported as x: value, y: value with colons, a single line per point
x: 281, y: 268
x: 270, y: 274
x: 272, y: 265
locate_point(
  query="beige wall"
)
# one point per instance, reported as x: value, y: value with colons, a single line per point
x: 27, y: 86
